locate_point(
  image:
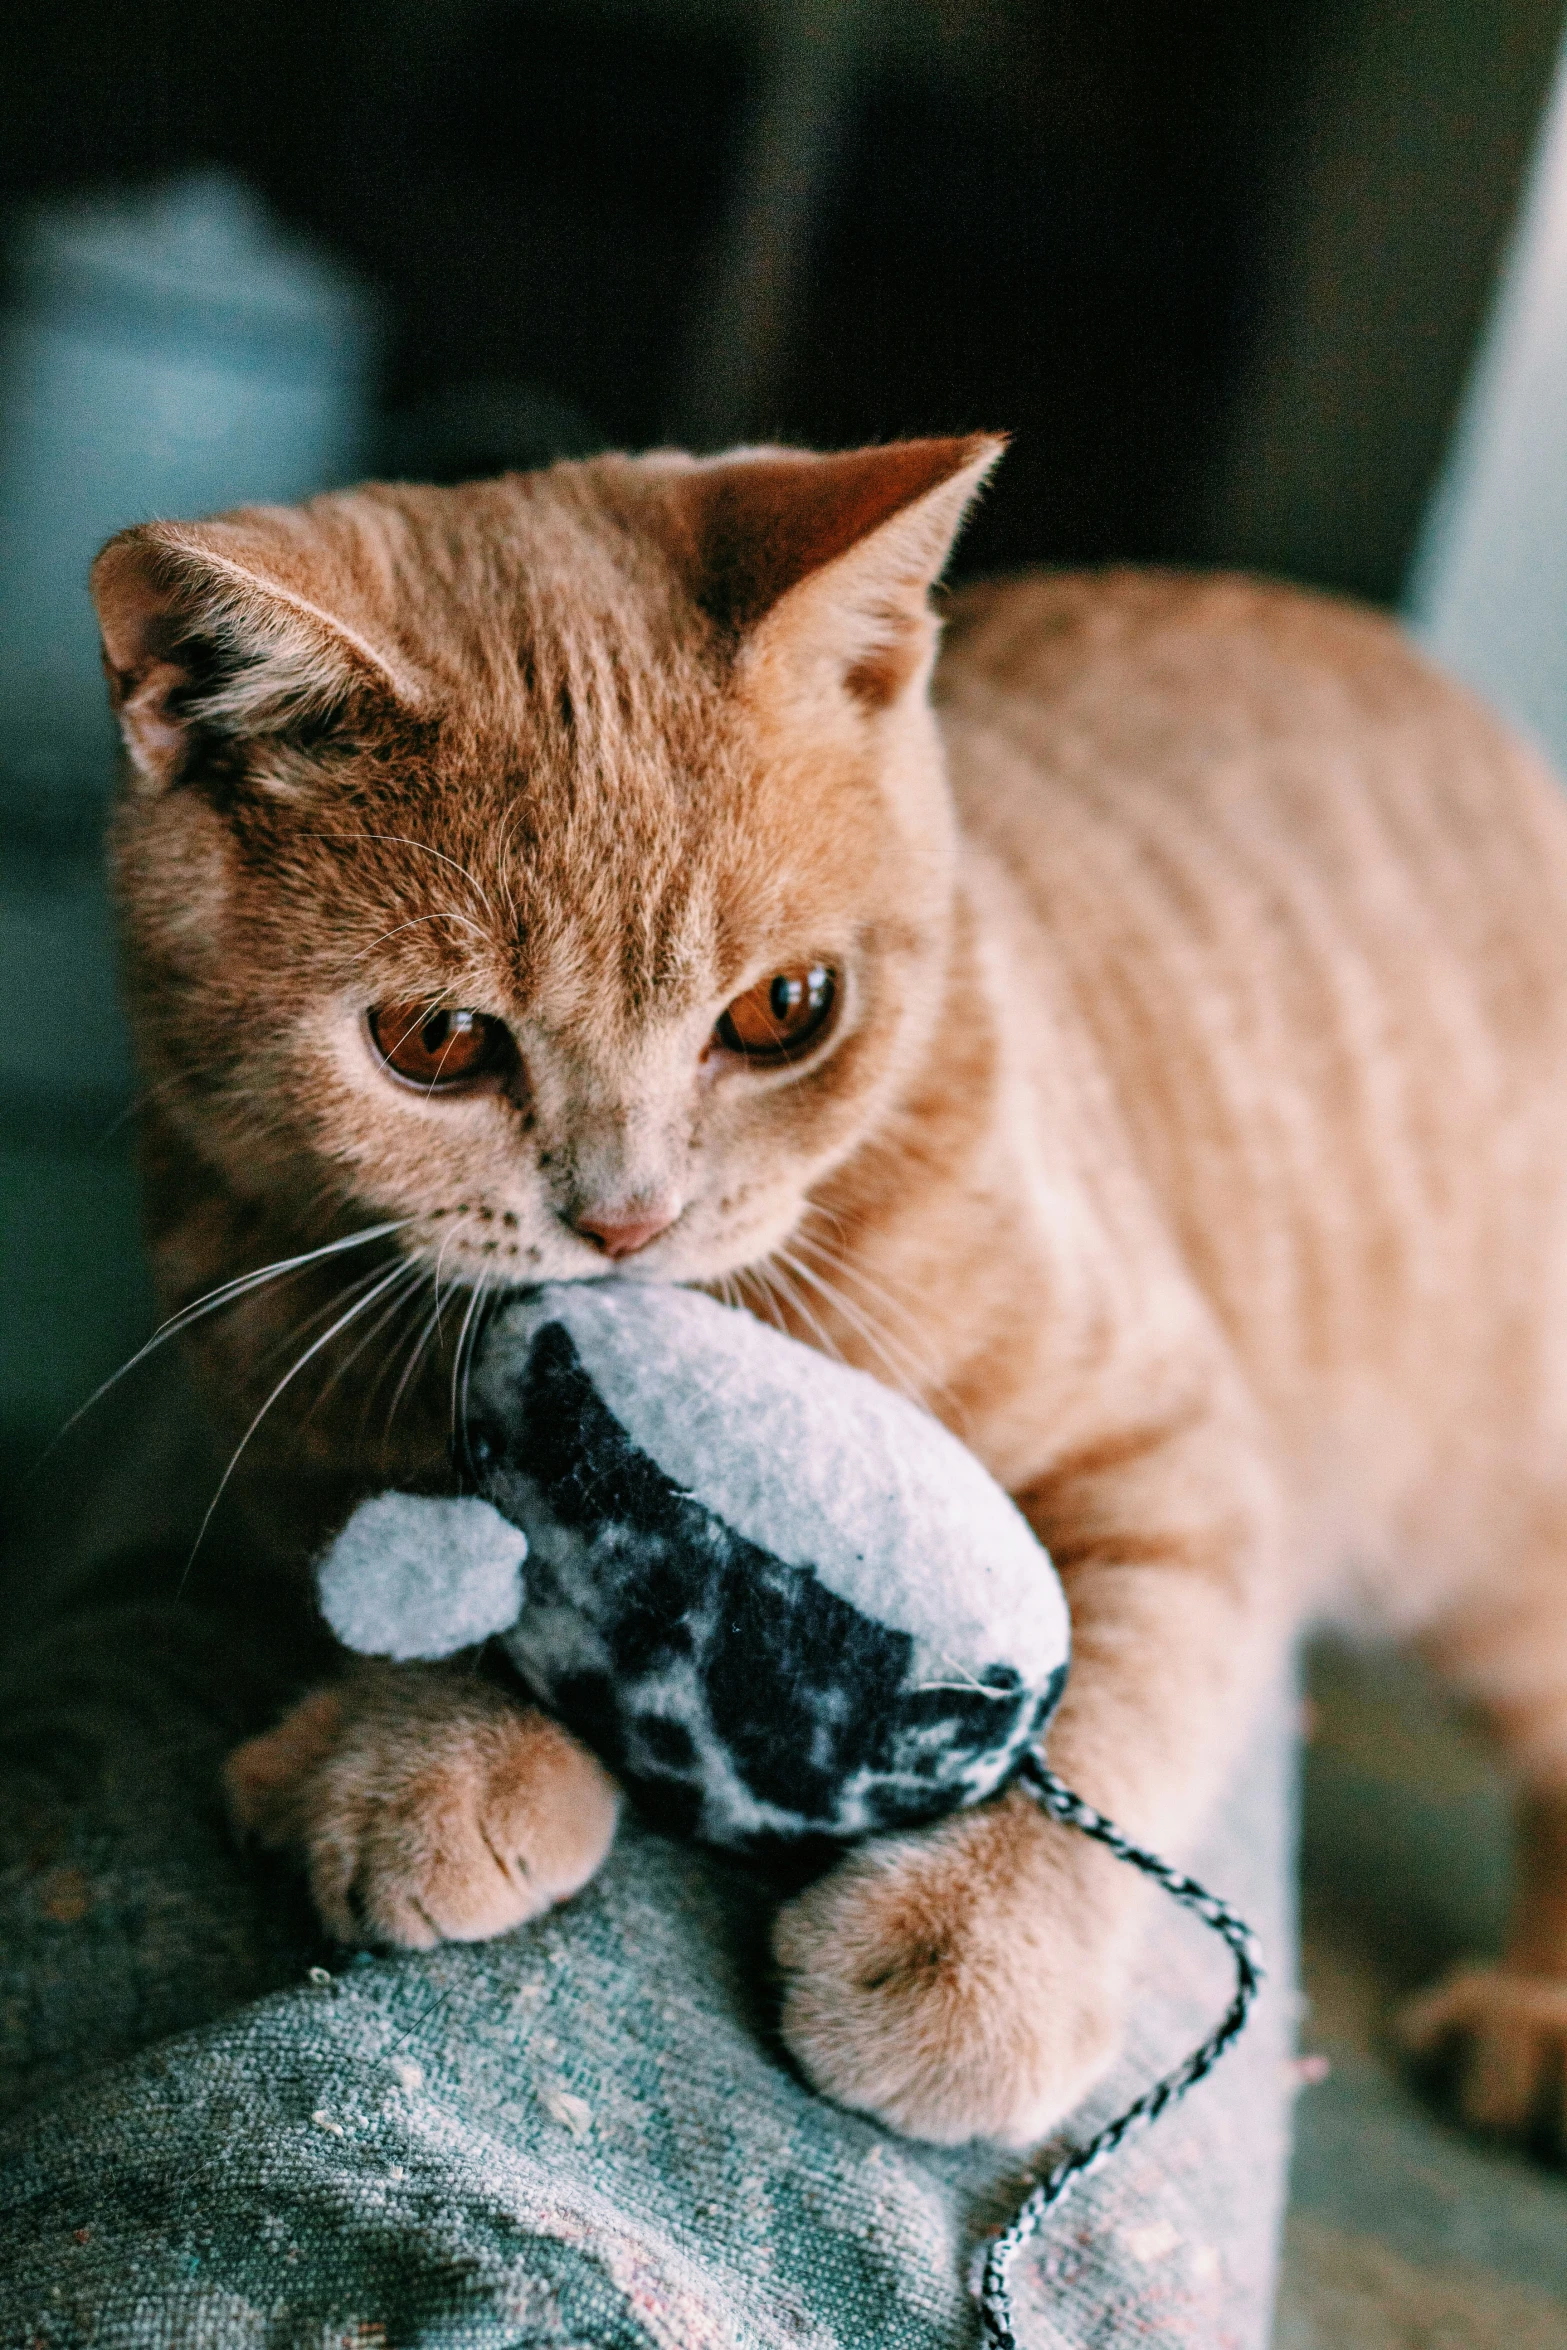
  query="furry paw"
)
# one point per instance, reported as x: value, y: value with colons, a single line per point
x: 428, y: 1808
x: 951, y: 1985
x: 1509, y: 2035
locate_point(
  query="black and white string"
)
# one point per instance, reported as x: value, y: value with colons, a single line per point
x: 994, y: 2291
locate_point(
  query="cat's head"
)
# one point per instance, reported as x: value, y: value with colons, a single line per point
x: 560, y: 867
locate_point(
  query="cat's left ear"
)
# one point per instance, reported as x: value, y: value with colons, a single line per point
x: 825, y: 564
x: 213, y: 641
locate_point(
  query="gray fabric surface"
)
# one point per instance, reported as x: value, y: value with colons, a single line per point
x: 582, y: 2134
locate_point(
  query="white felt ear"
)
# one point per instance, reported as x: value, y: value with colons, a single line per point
x: 416, y: 1575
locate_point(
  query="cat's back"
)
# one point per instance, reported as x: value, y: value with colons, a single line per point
x: 1309, y: 902
x: 1156, y: 715
x: 1270, y: 798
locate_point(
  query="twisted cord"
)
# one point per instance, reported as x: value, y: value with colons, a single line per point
x: 994, y: 2292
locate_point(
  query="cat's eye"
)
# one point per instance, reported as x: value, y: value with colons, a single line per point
x: 781, y: 1015
x: 439, y: 1051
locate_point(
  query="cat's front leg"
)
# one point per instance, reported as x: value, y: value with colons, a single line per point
x: 968, y: 1981
x: 427, y: 1806
x: 972, y: 1980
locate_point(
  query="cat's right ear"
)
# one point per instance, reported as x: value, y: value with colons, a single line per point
x: 208, y: 648
x: 823, y: 565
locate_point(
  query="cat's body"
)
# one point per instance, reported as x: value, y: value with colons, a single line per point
x: 1192, y: 1134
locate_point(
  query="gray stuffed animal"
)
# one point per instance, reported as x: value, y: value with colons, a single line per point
x: 779, y: 1601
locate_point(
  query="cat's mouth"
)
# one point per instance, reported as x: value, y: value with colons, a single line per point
x: 473, y: 1245
x: 479, y: 1247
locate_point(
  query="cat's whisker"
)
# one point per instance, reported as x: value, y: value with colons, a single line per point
x: 242, y: 1283
x: 493, y: 1295
x: 840, y: 1256
x: 421, y: 1340
x: 226, y: 1293
x: 878, y: 1342
x: 360, y: 1306
x: 837, y: 1247
x: 289, y: 1339
x: 768, y: 1309
x: 459, y: 1372
x: 410, y: 1297
x: 485, y: 1299
x: 402, y: 840
x: 318, y: 1313
x: 918, y: 1367
x: 412, y: 1274
x: 778, y: 1273
x: 778, y: 1298
x: 139, y: 1101
x: 440, y: 1259
x: 724, y: 1289
x: 501, y: 856
x: 441, y: 914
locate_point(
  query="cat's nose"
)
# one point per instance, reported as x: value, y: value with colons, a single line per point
x: 621, y: 1231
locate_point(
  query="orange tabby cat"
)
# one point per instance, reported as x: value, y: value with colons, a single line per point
x: 1149, y: 1041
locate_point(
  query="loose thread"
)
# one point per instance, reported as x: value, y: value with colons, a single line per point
x: 994, y: 2292
x: 424, y: 2015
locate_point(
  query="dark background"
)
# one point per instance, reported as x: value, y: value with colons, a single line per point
x: 1217, y: 264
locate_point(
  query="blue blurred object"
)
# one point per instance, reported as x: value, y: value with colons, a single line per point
x: 1488, y: 588
x: 163, y: 352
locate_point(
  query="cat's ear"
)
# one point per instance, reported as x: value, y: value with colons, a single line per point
x: 208, y: 646
x: 830, y: 560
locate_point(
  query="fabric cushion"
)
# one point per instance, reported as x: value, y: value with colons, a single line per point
x: 581, y: 2134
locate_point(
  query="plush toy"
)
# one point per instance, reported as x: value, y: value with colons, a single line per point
x: 782, y: 1604
x: 777, y: 1600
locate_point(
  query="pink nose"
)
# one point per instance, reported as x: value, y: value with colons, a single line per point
x: 620, y: 1234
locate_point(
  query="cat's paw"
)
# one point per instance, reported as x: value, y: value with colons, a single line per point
x: 1508, y: 2035
x: 426, y: 1806
x: 927, y: 1982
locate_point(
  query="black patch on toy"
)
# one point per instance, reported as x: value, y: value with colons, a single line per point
x: 646, y: 1614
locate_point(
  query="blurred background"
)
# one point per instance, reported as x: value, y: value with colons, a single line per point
x: 1279, y: 283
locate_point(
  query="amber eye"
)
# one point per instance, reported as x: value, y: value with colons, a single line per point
x: 439, y: 1049
x: 780, y: 1016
